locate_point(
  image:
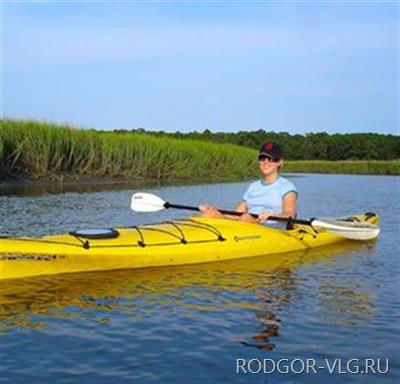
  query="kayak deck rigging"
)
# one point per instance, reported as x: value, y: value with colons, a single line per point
x: 179, y: 236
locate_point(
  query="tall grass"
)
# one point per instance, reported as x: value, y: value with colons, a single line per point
x: 42, y: 150
x: 37, y: 150
x: 383, y: 167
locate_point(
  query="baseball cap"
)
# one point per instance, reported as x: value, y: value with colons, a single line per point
x: 272, y: 150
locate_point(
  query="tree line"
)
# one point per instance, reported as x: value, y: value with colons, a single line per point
x: 310, y: 146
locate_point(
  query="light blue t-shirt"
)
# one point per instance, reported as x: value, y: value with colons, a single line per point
x: 261, y: 196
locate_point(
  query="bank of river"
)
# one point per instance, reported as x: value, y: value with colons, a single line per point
x: 350, y: 167
x: 192, y: 323
x: 39, y: 151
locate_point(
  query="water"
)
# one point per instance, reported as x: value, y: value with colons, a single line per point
x: 174, y: 325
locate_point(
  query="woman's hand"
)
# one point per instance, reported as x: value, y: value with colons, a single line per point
x: 247, y: 218
x: 263, y: 216
x: 208, y: 210
x: 206, y: 207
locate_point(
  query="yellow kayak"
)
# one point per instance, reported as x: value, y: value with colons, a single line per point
x: 178, y: 242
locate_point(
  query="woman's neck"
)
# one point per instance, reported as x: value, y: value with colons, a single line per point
x: 269, y: 179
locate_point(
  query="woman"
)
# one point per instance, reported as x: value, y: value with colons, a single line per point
x: 272, y: 195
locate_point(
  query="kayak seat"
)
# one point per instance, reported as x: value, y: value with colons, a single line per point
x: 95, y: 233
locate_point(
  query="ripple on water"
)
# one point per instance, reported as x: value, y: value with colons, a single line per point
x: 192, y: 323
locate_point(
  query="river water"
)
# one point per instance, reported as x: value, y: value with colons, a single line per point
x: 198, y: 324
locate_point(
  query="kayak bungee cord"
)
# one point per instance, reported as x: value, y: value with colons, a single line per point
x: 85, y: 242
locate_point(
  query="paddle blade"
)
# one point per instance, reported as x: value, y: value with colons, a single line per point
x: 348, y: 229
x: 146, y: 202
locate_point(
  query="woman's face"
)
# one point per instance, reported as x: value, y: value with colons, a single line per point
x: 269, y: 166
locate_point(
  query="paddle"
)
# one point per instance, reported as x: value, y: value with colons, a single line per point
x: 147, y: 202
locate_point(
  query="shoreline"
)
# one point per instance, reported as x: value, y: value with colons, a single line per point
x: 74, y: 181
x: 93, y: 184
x: 71, y: 181
x: 294, y: 167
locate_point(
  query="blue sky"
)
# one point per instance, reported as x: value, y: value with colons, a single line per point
x: 226, y: 66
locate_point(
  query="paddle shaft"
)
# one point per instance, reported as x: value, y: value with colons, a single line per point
x: 235, y: 213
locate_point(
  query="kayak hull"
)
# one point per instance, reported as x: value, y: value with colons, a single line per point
x: 179, y: 242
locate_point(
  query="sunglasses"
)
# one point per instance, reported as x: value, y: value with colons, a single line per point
x: 269, y: 158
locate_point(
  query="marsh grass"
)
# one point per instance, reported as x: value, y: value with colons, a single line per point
x: 374, y: 167
x: 37, y: 150
x: 42, y: 150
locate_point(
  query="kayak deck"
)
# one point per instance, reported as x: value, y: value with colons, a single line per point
x: 178, y: 242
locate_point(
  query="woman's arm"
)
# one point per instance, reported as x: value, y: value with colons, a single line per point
x: 289, y: 208
x: 241, y: 207
x: 211, y: 211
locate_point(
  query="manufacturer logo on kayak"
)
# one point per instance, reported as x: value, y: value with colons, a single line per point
x: 252, y: 237
x: 31, y: 257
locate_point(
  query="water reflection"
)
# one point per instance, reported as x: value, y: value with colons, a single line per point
x: 265, y: 286
x: 350, y: 304
x: 90, y: 186
x: 270, y: 322
x: 39, y: 188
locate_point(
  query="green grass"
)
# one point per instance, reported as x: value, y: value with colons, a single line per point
x: 37, y: 150
x: 375, y: 167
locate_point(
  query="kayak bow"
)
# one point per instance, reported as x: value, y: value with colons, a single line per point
x: 178, y: 242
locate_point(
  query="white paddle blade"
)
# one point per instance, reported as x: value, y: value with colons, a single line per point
x: 348, y: 229
x: 146, y: 202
